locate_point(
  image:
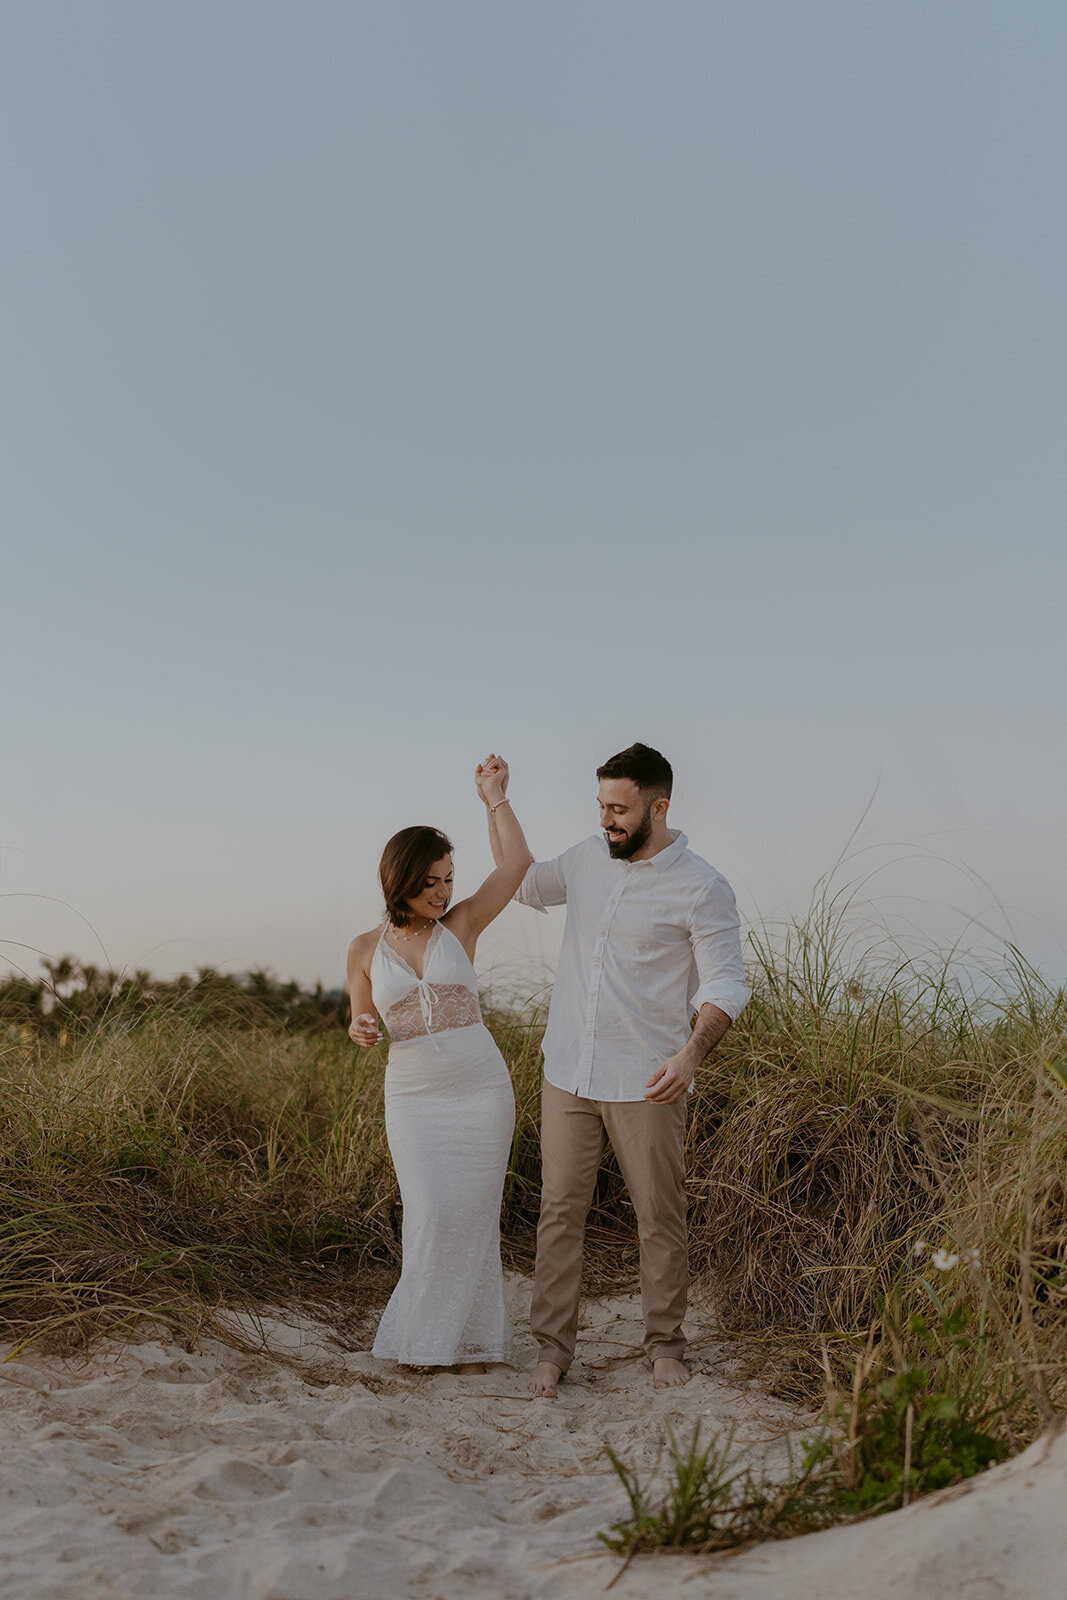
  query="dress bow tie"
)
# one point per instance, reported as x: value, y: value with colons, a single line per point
x: 427, y: 1000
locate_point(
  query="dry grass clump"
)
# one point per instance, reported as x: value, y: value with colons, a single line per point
x: 844, y: 1124
x: 169, y: 1166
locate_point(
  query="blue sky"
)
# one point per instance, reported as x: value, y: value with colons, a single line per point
x: 386, y: 384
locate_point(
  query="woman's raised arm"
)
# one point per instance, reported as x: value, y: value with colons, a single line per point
x: 510, y: 852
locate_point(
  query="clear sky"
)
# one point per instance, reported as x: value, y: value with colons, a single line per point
x: 388, y: 383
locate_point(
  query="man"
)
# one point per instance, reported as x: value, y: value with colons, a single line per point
x: 652, y: 935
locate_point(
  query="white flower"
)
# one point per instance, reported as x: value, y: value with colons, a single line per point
x: 920, y: 1247
x: 972, y: 1257
x: 943, y: 1261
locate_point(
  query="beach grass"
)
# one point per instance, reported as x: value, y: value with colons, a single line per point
x: 866, y: 1146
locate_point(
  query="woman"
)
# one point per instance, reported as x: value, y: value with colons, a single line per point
x: 449, y: 1109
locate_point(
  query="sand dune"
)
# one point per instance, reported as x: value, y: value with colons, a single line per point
x: 149, y: 1471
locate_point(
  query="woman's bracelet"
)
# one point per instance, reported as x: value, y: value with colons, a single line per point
x: 504, y: 802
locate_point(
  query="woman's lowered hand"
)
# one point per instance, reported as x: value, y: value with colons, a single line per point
x: 364, y: 1031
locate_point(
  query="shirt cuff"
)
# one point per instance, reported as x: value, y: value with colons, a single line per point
x: 729, y: 997
x: 526, y: 894
x: 533, y: 905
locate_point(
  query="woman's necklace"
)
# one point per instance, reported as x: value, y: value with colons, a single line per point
x: 406, y: 938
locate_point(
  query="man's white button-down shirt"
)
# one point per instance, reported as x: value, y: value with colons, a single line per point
x: 646, y: 944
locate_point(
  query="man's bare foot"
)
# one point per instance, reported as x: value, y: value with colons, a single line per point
x: 668, y: 1373
x: 468, y: 1369
x: 544, y: 1380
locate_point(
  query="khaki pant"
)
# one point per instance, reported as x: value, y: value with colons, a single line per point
x: 648, y: 1142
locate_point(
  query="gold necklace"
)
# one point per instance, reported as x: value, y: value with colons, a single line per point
x: 406, y: 938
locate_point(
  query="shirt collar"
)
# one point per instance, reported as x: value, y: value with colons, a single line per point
x: 667, y: 857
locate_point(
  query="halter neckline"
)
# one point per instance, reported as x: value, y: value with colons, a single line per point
x: 427, y: 947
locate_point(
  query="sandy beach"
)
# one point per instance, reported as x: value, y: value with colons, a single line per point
x: 303, y: 1471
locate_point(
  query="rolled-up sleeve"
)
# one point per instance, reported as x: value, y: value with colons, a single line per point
x: 715, y: 934
x: 544, y: 885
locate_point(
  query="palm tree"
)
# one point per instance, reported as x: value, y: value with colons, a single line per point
x: 64, y: 969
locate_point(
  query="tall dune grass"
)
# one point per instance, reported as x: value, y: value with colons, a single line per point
x: 850, y: 1134
x: 168, y: 1158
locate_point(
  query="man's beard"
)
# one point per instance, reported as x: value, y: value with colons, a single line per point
x: 623, y: 849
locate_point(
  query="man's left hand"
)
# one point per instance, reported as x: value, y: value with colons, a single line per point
x: 670, y: 1081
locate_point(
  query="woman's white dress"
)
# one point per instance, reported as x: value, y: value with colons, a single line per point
x: 449, y: 1118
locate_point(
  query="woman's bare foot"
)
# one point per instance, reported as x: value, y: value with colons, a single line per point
x: 471, y: 1369
x: 544, y: 1380
x: 668, y: 1373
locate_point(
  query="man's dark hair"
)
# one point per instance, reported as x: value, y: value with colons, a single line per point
x: 406, y: 860
x: 642, y: 765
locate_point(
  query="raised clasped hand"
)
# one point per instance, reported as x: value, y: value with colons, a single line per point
x: 491, y: 778
x: 364, y: 1031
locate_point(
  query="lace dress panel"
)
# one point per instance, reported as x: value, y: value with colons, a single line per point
x: 451, y: 1005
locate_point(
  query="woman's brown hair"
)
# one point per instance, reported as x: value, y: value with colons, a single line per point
x: 406, y: 860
